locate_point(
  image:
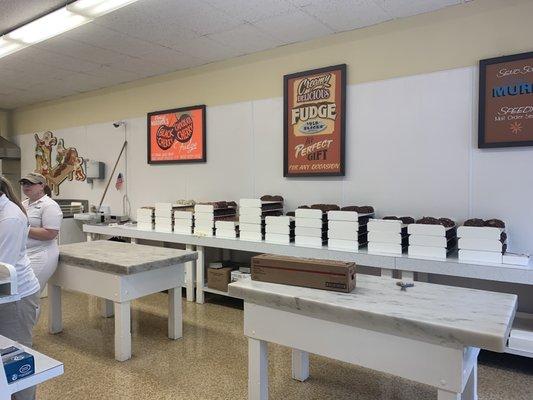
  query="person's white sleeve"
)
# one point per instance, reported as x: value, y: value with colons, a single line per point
x: 12, y: 234
x: 51, y: 216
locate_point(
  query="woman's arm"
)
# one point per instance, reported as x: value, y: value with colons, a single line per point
x: 43, y: 233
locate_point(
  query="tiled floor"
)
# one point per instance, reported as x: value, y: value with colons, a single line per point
x: 210, y: 362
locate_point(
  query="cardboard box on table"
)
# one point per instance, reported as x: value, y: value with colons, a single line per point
x: 219, y: 278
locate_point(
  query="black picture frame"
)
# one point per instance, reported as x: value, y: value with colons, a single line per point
x: 202, y: 108
x: 286, y: 78
x: 483, y: 64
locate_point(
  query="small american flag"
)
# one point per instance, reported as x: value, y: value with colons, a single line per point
x: 120, y: 181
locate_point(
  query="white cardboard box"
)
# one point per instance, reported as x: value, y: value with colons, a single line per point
x: 387, y: 248
x: 183, y: 215
x: 480, y: 256
x: 250, y: 228
x: 308, y: 241
x: 182, y: 223
x: 346, y: 226
x: 343, y: 234
x: 253, y: 203
x: 283, y: 220
x: 277, y: 238
x: 144, y: 226
x: 342, y: 244
x: 203, y: 231
x: 306, y: 231
x: 280, y: 229
x: 466, y: 243
x: 516, y: 259
x: 257, y: 212
x: 479, y: 232
x: 385, y: 237
x: 426, y: 229
x: 386, y: 225
x: 337, y: 215
x: 237, y: 276
x: 427, y: 251
x: 163, y: 228
x: 226, y: 233
x: 251, y: 236
x: 204, y: 208
x: 308, y: 222
x: 308, y: 213
x: 204, y: 216
x: 226, y: 225
x: 183, y: 230
x: 428, y: 240
x: 144, y: 219
x: 250, y: 219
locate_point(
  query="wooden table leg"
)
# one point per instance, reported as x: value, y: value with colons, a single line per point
x: 257, y: 369
x: 55, y: 318
x: 300, y: 365
x: 175, y: 325
x: 122, y: 331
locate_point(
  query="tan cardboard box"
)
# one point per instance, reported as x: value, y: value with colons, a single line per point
x: 218, y: 278
x: 337, y: 276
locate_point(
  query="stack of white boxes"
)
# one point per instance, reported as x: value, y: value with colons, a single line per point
x: 347, y: 230
x: 205, y: 216
x: 431, y: 241
x: 163, y: 217
x: 227, y: 229
x: 183, y: 222
x: 481, y: 244
x: 145, y: 218
x: 279, y: 229
x: 387, y: 236
x: 252, y: 214
x: 311, y: 227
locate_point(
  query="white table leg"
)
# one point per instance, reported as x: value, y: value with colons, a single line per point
x: 386, y: 272
x: 133, y: 240
x: 470, y: 391
x: 257, y: 369
x: 445, y: 395
x: 89, y: 237
x: 408, y: 276
x: 175, y: 327
x: 55, y: 319
x: 107, y: 308
x: 200, y: 272
x: 122, y: 331
x: 300, y: 365
x: 190, y: 268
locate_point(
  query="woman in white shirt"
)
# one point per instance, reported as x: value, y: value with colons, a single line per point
x: 45, y: 217
x: 18, y: 318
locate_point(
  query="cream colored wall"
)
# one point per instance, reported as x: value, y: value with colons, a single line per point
x: 453, y: 37
x: 5, y: 123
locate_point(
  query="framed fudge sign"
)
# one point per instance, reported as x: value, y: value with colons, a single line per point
x: 506, y: 101
x: 177, y: 135
x: 314, y: 122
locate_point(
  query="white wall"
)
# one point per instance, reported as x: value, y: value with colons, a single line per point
x: 411, y: 150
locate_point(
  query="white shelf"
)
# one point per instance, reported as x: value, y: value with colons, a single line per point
x: 522, y: 321
x: 215, y: 291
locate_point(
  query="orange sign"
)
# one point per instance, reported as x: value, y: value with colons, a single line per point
x: 314, y: 122
x: 177, y: 135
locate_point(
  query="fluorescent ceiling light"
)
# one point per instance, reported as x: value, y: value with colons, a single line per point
x: 8, y: 47
x: 48, y: 26
x: 97, y: 8
x: 62, y: 20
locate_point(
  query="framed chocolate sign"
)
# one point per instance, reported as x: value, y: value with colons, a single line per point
x: 314, y: 122
x: 177, y: 135
x: 506, y: 101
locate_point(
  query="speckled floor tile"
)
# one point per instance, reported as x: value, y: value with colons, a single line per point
x: 210, y: 362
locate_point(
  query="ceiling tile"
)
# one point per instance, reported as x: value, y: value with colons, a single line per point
x: 292, y: 27
x: 206, y: 49
x: 246, y: 38
x: 16, y: 12
x: 343, y: 15
x: 253, y: 10
x: 404, y: 8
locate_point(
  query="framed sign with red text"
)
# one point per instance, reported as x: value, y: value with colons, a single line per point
x: 314, y: 118
x: 177, y: 135
x: 506, y: 101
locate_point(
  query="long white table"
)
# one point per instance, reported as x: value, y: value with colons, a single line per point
x: 45, y: 368
x: 405, y: 265
x: 430, y: 334
x: 119, y: 273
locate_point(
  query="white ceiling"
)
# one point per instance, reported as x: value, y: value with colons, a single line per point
x: 153, y: 37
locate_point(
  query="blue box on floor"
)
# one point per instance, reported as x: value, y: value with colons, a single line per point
x: 19, y: 366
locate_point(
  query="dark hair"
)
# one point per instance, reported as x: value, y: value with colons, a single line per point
x: 47, y: 190
x: 7, y: 189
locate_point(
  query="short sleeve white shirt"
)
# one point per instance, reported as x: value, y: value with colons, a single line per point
x: 43, y: 213
x: 13, y: 236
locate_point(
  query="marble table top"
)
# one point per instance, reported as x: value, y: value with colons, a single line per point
x: 444, y: 315
x: 121, y: 258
